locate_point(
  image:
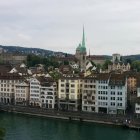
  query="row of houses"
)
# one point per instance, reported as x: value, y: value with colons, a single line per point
x: 34, y: 91
x: 104, y: 93
x: 98, y: 92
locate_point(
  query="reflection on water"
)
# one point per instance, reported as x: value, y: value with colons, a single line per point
x: 22, y: 127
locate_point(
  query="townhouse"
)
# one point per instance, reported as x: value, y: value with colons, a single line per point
x: 105, y: 93
x: 22, y: 93
x: 7, y: 87
x: 89, y: 93
x: 69, y: 93
x: 48, y: 93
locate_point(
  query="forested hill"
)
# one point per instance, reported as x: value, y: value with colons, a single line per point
x: 132, y: 57
x: 44, y: 52
x: 26, y: 50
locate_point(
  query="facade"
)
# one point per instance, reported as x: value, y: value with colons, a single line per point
x: 117, y: 91
x: 69, y: 93
x: 102, y: 96
x: 34, y: 99
x: 116, y: 57
x: 13, y: 58
x: 105, y: 93
x: 119, y: 66
x: 137, y: 104
x: 7, y: 87
x: 48, y: 96
x: 89, y: 94
x: 22, y: 93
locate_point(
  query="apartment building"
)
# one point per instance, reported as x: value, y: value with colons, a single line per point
x: 117, y: 91
x: 34, y: 99
x: 69, y: 93
x: 22, y: 93
x: 105, y: 93
x: 7, y: 87
x: 48, y: 93
x: 89, y: 93
x: 102, y: 96
x: 137, y: 104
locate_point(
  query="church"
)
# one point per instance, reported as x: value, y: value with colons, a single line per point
x: 81, y: 53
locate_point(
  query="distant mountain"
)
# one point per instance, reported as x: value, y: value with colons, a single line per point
x: 46, y: 53
x: 25, y: 50
x: 132, y: 57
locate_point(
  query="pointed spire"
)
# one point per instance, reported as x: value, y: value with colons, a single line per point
x: 83, y: 39
x: 89, y: 53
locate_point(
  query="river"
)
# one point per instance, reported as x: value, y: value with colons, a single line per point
x: 22, y: 127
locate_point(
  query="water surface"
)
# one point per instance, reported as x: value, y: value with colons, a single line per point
x: 22, y: 127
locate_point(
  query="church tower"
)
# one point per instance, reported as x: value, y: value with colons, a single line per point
x: 81, y: 53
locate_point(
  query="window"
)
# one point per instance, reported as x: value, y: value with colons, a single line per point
x: 112, y: 92
x: 72, y: 91
x: 62, y: 90
x: 62, y: 85
x: 72, y: 85
x: 112, y: 87
x: 112, y: 104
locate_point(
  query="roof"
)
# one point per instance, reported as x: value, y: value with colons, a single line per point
x: 9, y: 76
x: 96, y: 57
x: 117, y: 79
x: 103, y: 76
x: 5, y: 68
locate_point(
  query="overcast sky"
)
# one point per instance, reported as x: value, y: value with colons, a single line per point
x: 111, y: 26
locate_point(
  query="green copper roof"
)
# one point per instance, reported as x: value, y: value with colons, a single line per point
x: 82, y: 47
x: 83, y: 39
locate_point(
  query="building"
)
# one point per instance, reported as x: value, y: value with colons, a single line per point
x: 105, y: 93
x: 89, y: 93
x: 137, y: 104
x: 22, y: 93
x: 116, y: 58
x: 117, y: 92
x: 34, y: 99
x: 69, y: 93
x: 13, y: 58
x: 81, y: 53
x: 102, y: 96
x: 119, y: 66
x: 7, y: 87
x: 48, y: 95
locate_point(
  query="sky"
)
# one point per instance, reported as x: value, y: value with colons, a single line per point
x: 111, y: 26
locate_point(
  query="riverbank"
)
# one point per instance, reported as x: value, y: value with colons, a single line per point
x: 107, y: 119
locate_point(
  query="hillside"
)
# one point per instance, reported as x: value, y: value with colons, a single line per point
x: 25, y: 50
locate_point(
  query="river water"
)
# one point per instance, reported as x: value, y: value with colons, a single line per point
x: 22, y: 127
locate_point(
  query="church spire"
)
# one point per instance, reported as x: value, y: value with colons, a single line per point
x: 83, y: 39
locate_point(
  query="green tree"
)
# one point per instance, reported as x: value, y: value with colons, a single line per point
x: 2, y: 133
x: 105, y: 65
x: 136, y: 65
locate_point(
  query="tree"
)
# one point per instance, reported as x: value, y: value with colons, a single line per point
x: 2, y: 133
x: 105, y: 65
x: 135, y: 65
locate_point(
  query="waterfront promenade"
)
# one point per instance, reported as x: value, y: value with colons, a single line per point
x: 120, y: 120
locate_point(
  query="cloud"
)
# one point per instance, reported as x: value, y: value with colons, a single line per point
x: 111, y: 26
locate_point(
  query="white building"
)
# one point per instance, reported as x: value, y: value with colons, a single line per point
x: 137, y: 104
x: 102, y: 96
x: 22, y: 93
x: 34, y: 99
x: 105, y: 93
x: 48, y: 96
x: 117, y: 91
x: 7, y: 87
